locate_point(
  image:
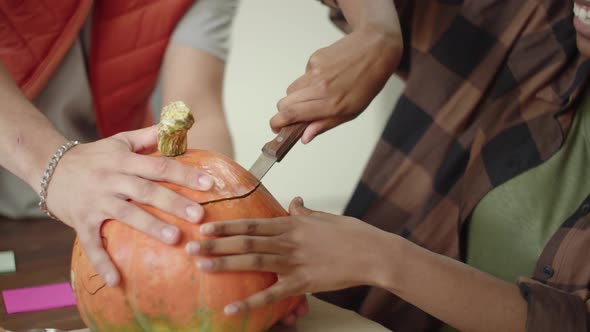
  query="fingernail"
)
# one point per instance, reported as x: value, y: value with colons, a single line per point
x: 110, y: 279
x: 231, y: 309
x: 205, y: 181
x: 204, y: 264
x: 299, y: 200
x: 192, y: 248
x: 169, y: 234
x: 194, y: 213
x: 207, y: 229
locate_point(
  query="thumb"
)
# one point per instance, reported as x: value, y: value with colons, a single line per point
x: 319, y: 127
x: 142, y: 140
x: 296, y: 208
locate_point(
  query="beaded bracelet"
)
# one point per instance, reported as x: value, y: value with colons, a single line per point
x: 49, y: 172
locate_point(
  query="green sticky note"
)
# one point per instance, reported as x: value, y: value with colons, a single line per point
x: 7, y: 263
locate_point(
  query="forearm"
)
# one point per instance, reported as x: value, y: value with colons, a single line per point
x: 451, y: 291
x: 28, y: 139
x: 196, y: 78
x: 379, y: 14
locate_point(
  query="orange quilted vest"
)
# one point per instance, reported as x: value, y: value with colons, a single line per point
x: 129, y: 38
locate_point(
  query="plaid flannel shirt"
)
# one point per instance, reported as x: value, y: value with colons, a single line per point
x: 491, y: 87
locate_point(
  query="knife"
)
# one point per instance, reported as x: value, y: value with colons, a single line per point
x: 275, y: 150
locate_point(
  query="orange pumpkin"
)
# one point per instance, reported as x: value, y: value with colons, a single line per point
x: 161, y: 289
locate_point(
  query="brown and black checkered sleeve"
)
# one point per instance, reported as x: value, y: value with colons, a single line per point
x: 491, y: 87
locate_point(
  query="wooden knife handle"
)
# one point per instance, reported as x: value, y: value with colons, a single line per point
x: 284, y: 141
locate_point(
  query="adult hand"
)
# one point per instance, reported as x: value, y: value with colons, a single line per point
x: 340, y: 81
x: 310, y: 251
x: 94, y: 182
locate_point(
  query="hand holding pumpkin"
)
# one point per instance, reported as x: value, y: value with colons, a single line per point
x: 94, y: 182
x: 340, y: 81
x: 310, y: 251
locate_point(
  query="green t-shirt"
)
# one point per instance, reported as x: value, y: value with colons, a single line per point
x: 512, y: 224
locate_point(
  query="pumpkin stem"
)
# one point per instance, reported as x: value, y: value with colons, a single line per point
x: 175, y: 121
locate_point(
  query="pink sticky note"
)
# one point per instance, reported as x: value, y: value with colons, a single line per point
x: 38, y: 298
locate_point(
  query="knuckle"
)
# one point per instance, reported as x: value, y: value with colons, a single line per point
x: 298, y: 258
x: 314, y: 60
x: 251, y: 227
x: 174, y: 201
x: 145, y: 189
x: 218, y: 229
x: 247, y: 244
x: 296, y: 231
x: 286, y: 239
x: 291, y: 88
x: 323, y: 85
x: 220, y: 263
x: 287, y: 247
x: 286, y: 225
x: 161, y: 166
x: 289, y: 115
x: 268, y: 298
x: 125, y: 158
x: 288, y: 262
x: 282, y: 104
x: 123, y: 211
x: 258, y: 261
x: 333, y: 104
x: 316, y: 71
x: 206, y: 246
x: 101, y: 176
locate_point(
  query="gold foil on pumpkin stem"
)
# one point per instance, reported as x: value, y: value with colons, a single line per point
x: 175, y: 121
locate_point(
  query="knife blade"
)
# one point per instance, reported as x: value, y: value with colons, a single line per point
x: 275, y: 150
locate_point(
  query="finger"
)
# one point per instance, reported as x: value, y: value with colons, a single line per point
x: 142, y: 221
x: 272, y: 294
x: 305, y: 111
x: 300, y: 83
x: 247, y: 262
x: 167, y: 170
x: 319, y: 127
x: 297, y: 208
x: 299, y: 96
x: 98, y: 256
x: 237, y: 245
x: 151, y: 193
x: 142, y: 140
x: 262, y: 227
x: 302, y: 309
x: 289, y: 320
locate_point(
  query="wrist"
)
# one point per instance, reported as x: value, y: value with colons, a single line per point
x: 39, y: 161
x: 386, y: 44
x: 389, y: 263
x: 48, y: 174
x: 387, y: 34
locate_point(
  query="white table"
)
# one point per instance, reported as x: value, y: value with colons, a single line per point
x: 325, y: 317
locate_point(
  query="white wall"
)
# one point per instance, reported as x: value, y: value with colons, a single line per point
x: 272, y: 41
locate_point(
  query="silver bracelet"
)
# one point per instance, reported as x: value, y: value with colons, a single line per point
x: 49, y: 172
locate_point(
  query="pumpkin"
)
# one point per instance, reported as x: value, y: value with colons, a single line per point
x: 161, y: 289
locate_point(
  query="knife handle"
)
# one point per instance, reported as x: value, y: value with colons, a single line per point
x: 284, y: 141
